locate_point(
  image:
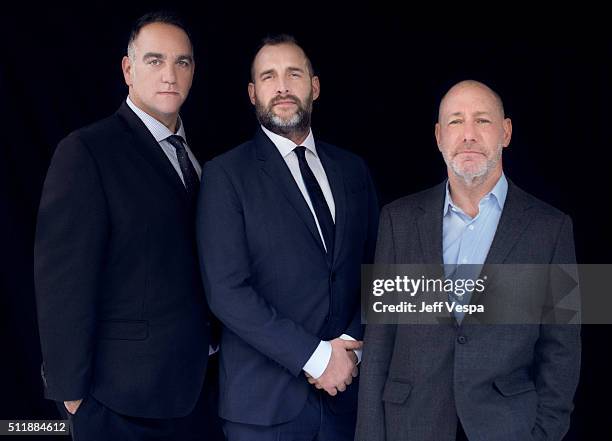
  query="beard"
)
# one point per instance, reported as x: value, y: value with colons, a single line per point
x: 296, y: 124
x: 473, y: 174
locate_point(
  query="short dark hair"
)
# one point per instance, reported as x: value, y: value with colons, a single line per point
x: 161, y: 16
x: 275, y: 40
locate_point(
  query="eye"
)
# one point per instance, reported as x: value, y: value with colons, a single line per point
x: 483, y: 121
x: 454, y: 122
x: 155, y: 62
x: 184, y: 63
x: 294, y: 75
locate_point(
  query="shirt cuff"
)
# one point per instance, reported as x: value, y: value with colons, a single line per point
x: 356, y: 351
x: 318, y: 361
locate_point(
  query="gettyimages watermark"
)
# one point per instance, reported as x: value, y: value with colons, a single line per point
x: 556, y: 294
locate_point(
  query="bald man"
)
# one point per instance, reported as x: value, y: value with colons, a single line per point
x: 460, y: 380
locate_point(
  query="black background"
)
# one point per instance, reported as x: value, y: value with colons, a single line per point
x: 382, y: 73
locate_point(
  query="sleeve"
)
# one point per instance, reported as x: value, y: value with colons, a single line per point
x: 71, y: 237
x: 318, y: 361
x: 226, y: 272
x: 557, y: 359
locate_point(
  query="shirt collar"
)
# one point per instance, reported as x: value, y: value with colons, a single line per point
x: 157, y: 128
x: 499, y: 193
x: 286, y: 146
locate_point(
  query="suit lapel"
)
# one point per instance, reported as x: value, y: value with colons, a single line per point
x: 511, y: 225
x: 336, y: 182
x: 149, y: 149
x: 273, y: 165
x: 429, y: 225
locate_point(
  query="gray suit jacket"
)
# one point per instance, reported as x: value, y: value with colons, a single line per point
x: 505, y: 382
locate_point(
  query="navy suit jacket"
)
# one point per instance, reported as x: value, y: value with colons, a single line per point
x: 267, y: 278
x: 121, y: 308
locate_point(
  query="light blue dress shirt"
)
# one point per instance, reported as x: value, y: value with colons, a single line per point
x: 466, y: 240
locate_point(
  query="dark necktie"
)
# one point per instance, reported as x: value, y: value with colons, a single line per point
x: 190, y: 176
x: 192, y: 185
x: 321, y: 209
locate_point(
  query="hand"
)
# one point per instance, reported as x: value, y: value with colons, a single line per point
x: 72, y: 406
x: 341, y: 369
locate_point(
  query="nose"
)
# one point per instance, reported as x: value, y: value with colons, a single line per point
x: 282, y: 86
x: 169, y: 74
x: 469, y: 132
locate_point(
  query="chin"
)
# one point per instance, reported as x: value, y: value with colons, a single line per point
x: 168, y: 110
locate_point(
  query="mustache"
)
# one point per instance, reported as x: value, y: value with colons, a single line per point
x: 470, y: 148
x: 279, y: 98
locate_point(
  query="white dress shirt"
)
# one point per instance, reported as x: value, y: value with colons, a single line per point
x: 318, y: 361
x: 160, y: 132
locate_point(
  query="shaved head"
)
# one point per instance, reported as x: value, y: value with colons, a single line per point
x: 472, y: 84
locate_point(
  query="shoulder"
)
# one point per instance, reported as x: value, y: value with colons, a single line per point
x: 537, y: 208
x: 234, y: 160
x: 102, y: 134
x: 341, y: 155
x: 416, y: 201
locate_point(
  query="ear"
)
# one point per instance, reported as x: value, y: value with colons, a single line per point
x: 126, y: 67
x: 437, y: 134
x: 316, y: 87
x: 252, y: 95
x: 507, y: 125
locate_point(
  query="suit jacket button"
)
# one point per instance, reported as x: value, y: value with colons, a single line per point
x: 462, y: 339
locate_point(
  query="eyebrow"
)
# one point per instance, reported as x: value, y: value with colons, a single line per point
x: 481, y: 113
x: 153, y: 55
x: 149, y: 55
x: 290, y: 69
x: 295, y: 69
x: 266, y: 72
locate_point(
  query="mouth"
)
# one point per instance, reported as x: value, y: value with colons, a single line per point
x: 285, y: 103
x: 168, y: 93
x: 469, y: 152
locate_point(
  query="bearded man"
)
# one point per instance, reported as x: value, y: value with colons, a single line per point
x: 284, y: 224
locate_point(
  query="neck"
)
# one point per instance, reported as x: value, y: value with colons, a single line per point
x: 169, y: 120
x: 468, y: 196
x: 297, y: 138
x: 171, y: 124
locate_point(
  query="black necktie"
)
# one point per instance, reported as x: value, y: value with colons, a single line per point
x: 190, y: 176
x: 192, y: 185
x: 321, y: 209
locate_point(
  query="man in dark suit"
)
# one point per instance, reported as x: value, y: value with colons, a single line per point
x: 284, y: 224
x: 123, y: 318
x: 461, y: 380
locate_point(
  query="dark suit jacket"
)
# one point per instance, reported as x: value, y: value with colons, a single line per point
x: 267, y: 278
x: 121, y: 308
x: 505, y: 382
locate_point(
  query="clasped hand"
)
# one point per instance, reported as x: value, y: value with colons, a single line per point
x: 341, y: 369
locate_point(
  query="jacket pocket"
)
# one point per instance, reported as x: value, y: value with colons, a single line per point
x: 396, y: 391
x: 514, y: 384
x: 123, y: 329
